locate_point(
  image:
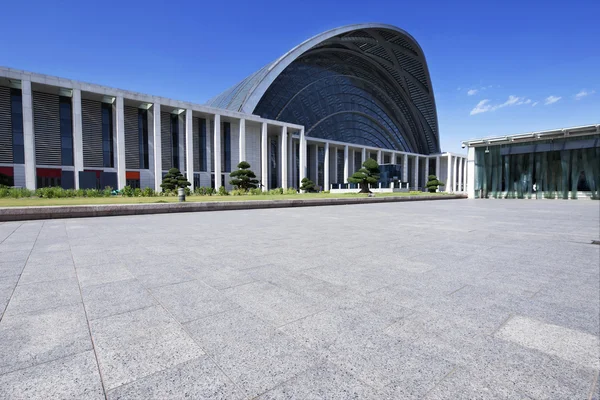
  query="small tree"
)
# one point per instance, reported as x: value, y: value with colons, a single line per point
x: 307, y: 185
x: 174, y: 179
x: 243, y: 178
x: 433, y: 183
x: 368, y: 174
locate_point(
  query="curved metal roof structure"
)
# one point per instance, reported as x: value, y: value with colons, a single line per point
x: 365, y: 83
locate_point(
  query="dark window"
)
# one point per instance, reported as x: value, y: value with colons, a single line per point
x: 202, y: 145
x: 66, y: 131
x: 273, y: 161
x: 107, y: 136
x: 17, y: 126
x: 226, y: 155
x: 175, y: 140
x: 143, y: 138
x: 133, y: 183
x: 48, y: 181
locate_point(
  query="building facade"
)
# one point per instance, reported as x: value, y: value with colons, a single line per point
x: 319, y: 111
x: 555, y: 164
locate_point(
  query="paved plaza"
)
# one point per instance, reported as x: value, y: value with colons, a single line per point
x: 456, y: 299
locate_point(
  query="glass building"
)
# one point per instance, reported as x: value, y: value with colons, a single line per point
x: 556, y: 164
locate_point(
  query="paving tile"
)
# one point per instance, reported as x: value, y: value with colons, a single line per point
x: 256, y: 356
x: 575, y: 346
x: 192, y: 300
x: 115, y: 298
x: 152, y: 276
x: 133, y: 345
x: 196, y: 379
x: 41, y: 336
x: 220, y: 278
x: 43, y: 295
x: 72, y: 377
x: 324, y: 382
x: 104, y: 273
x: 33, y: 273
x: 272, y: 303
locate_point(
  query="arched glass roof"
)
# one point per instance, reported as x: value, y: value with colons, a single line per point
x: 365, y: 84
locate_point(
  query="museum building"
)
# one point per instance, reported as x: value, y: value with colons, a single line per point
x: 319, y: 111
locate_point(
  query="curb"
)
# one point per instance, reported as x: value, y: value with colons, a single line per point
x: 111, y: 210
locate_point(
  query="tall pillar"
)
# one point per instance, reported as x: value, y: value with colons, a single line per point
x: 455, y: 175
x: 363, y: 156
x: 284, y: 157
x: 157, y: 147
x: 121, y: 169
x: 291, y: 160
x: 28, y: 135
x: 416, y: 171
x: 77, y: 136
x: 465, y: 181
x: 426, y: 171
x: 346, y: 166
x: 242, y: 145
x: 460, y: 175
x: 264, y: 157
x: 437, y: 167
x: 471, y: 172
x: 449, y: 176
x: 315, y: 177
x: 335, y: 164
x: 379, y: 157
x: 302, y: 158
x: 326, y: 168
x: 405, y: 168
x: 189, y: 147
x: 217, y: 151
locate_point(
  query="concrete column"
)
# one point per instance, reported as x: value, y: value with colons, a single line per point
x: 437, y: 167
x: 426, y: 171
x: 379, y: 157
x: 264, y: 157
x: 471, y: 172
x: 28, y: 135
x: 465, y: 180
x: 217, y: 147
x: 77, y: 135
x: 416, y: 171
x: 346, y: 166
x: 455, y: 175
x: 302, y: 160
x: 121, y: 169
x: 334, y: 164
x: 449, y: 177
x: 242, y: 145
x: 189, y: 147
x: 150, y: 166
x: 157, y: 147
x: 460, y: 175
x: 284, y: 157
x: 405, y: 168
x: 363, y: 156
x: 326, y: 168
x: 181, y: 121
x: 291, y: 156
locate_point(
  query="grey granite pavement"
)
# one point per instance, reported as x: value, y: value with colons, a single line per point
x: 456, y: 299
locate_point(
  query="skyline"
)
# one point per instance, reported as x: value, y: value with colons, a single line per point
x: 512, y: 73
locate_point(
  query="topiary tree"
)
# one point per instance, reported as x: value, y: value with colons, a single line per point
x: 369, y: 173
x: 243, y: 178
x: 433, y: 183
x: 308, y: 185
x: 174, y: 179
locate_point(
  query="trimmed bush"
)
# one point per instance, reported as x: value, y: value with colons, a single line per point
x: 173, y: 180
x: 291, y: 191
x: 222, y: 191
x: 368, y: 174
x: 148, y: 192
x: 433, y: 183
x: 308, y: 185
x: 243, y: 178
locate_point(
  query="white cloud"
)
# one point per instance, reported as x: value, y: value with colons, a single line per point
x: 485, y: 106
x: 551, y: 100
x: 472, y: 92
x: 535, y: 103
x: 582, y: 93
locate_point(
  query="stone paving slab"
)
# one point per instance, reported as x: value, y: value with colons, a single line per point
x: 418, y: 300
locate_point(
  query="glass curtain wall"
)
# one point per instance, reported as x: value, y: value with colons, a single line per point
x: 547, y: 169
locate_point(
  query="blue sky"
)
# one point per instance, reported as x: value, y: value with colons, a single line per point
x: 497, y: 67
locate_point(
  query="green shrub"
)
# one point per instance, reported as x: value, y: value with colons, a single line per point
x: 174, y: 179
x: 308, y: 185
x: 433, y: 183
x: 256, y: 192
x: 238, y: 192
x: 276, y: 191
x: 291, y: 191
x: 415, y: 192
x: 108, y: 191
x: 17, y: 193
x: 127, y: 191
x: 148, y: 192
x: 188, y: 191
x: 204, y: 191
x: 137, y: 192
x: 222, y: 191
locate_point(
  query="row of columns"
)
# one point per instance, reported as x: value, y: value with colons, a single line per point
x: 456, y: 178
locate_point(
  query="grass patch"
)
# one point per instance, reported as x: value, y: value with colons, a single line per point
x: 35, y: 201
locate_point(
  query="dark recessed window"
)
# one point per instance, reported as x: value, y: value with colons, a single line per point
x: 202, y: 145
x: 226, y: 152
x: 143, y: 138
x: 107, y: 136
x: 17, y: 126
x: 66, y: 131
x: 175, y: 140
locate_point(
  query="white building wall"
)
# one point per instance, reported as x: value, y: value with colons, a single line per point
x: 19, y: 175
x: 253, y: 147
x: 146, y: 178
